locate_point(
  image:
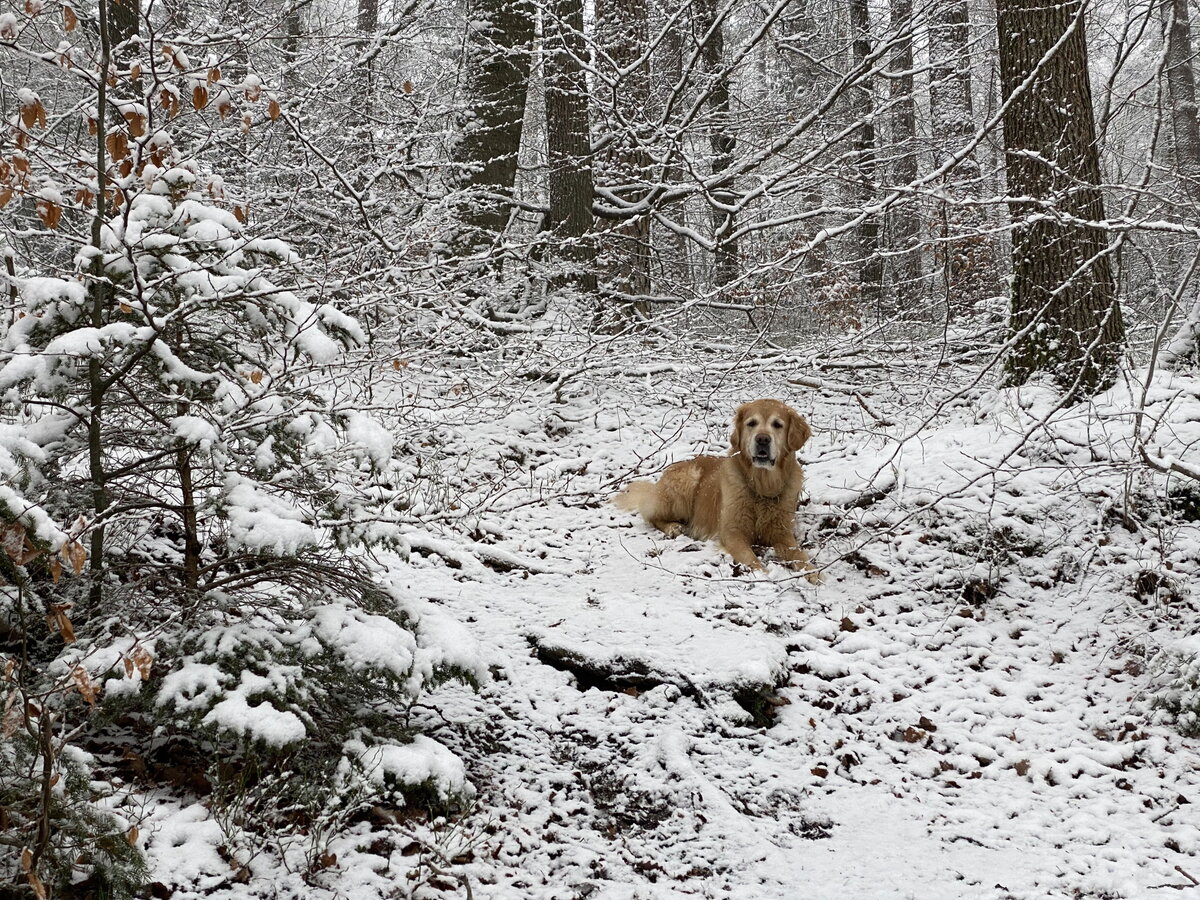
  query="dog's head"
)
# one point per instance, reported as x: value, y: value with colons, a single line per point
x: 764, y: 430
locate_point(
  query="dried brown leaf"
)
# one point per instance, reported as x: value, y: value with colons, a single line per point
x: 143, y: 660
x: 87, y: 688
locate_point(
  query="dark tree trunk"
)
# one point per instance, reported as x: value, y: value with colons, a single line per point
x: 123, y: 16
x: 368, y: 24
x: 293, y: 25
x: 1064, y: 316
x: 905, y: 223
x: 569, y: 142
x: 862, y: 107
x: 672, y: 250
x: 621, y: 30
x: 498, y: 68
x: 722, y: 143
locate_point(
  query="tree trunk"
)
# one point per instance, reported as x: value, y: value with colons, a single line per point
x: 804, y: 44
x: 123, y: 16
x: 1182, y: 350
x: 1065, y: 318
x: 862, y: 107
x: 621, y: 31
x: 293, y: 25
x: 965, y: 254
x: 99, y: 294
x: 498, y: 64
x: 1181, y: 87
x: 722, y: 143
x: 905, y: 217
x: 368, y: 24
x: 951, y: 109
x: 568, y: 138
x: 187, y: 511
x: 671, y: 249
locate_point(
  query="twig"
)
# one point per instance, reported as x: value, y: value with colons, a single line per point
x: 883, y: 422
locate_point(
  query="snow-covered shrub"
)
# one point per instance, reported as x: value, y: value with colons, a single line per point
x: 186, y: 410
x: 90, y: 842
x: 1177, y: 685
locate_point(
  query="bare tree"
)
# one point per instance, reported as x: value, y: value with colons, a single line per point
x: 1181, y: 351
x: 865, y: 163
x: 1065, y: 319
x: 1181, y: 87
x: 624, y: 69
x: 710, y: 26
x: 905, y: 220
x: 965, y: 252
x: 568, y: 141
x: 485, y: 157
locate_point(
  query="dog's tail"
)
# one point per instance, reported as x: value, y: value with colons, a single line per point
x: 640, y: 497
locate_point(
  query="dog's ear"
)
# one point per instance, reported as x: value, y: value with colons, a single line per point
x: 735, y: 437
x: 798, y: 431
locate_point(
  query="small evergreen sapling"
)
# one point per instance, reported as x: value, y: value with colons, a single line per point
x: 173, y: 390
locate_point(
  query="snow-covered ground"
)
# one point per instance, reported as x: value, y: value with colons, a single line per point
x: 961, y: 710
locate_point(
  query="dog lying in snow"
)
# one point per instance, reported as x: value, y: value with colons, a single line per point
x: 740, y: 500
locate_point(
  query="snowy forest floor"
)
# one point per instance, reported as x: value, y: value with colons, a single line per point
x: 964, y: 708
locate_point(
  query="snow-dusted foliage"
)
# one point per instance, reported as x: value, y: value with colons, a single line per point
x: 191, y: 498
x: 233, y: 475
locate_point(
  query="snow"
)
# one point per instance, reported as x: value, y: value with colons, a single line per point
x: 961, y: 709
x: 424, y: 761
x: 261, y: 522
x: 365, y: 642
x: 195, y: 431
x: 191, y: 686
x: 40, y: 292
x: 259, y: 722
x: 375, y: 440
x: 182, y: 848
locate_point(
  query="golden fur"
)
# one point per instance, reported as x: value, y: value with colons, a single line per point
x: 740, y: 500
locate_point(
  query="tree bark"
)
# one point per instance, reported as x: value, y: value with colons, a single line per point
x: 905, y: 237
x: 622, y: 32
x: 368, y: 24
x: 1183, y: 350
x: 1181, y: 87
x: 951, y: 109
x: 498, y: 64
x: 862, y: 107
x: 966, y: 256
x: 671, y: 249
x: 99, y: 290
x: 722, y: 144
x: 123, y: 16
x: 568, y: 138
x: 1065, y: 319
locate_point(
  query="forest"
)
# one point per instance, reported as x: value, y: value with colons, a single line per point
x: 332, y: 329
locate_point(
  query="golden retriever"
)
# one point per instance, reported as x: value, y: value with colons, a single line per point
x: 740, y: 500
